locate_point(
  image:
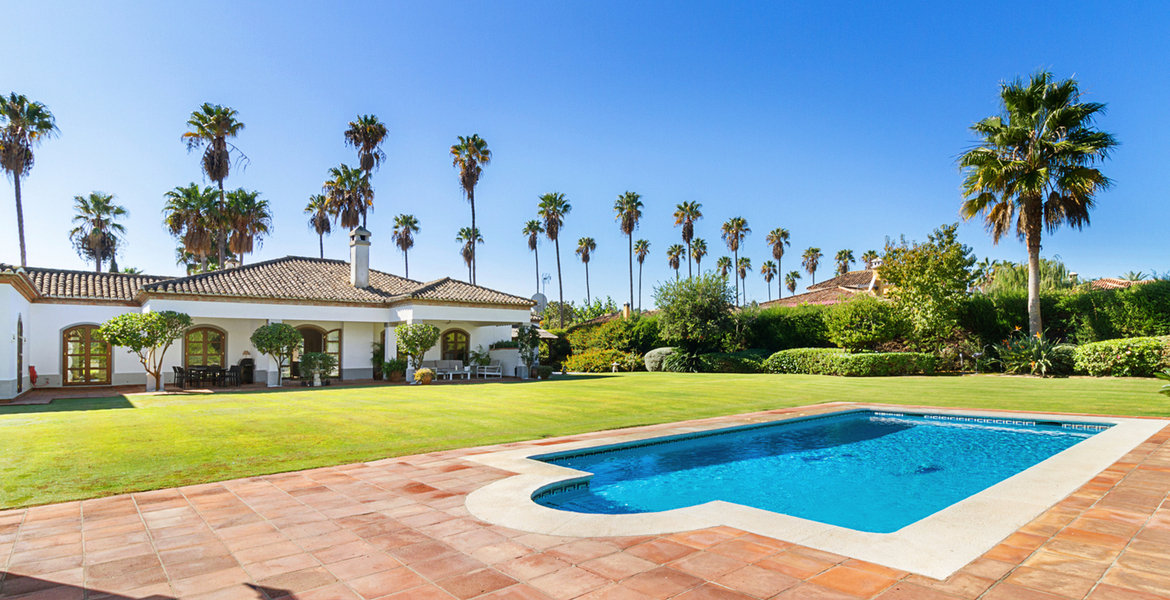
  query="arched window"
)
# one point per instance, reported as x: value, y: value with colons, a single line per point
x: 205, y: 347
x: 19, y: 355
x: 455, y: 343
x: 86, y: 356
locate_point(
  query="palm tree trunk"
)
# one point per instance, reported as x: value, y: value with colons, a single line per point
x: 1035, y: 327
x: 221, y: 233
x: 690, y: 273
x: 639, y: 286
x: 631, y: 239
x: 406, y: 261
x: 779, y: 277
x: 536, y: 253
x: 734, y: 266
x: 20, y: 220
x: 587, y: 294
x: 560, y: 282
x: 321, y: 242
x: 474, y: 232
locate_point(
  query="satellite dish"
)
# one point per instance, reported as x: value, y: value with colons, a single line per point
x: 540, y: 301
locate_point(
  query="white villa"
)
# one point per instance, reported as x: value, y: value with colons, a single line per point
x: 49, y: 316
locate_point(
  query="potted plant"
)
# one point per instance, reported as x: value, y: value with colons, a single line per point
x: 415, y: 340
x: 528, y: 341
x: 544, y: 371
x: 316, y: 363
x: 424, y: 376
x: 395, y: 370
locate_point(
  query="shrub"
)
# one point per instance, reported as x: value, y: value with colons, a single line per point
x: 830, y: 361
x: 601, y: 361
x: 783, y: 327
x: 681, y: 361
x: 1132, y: 357
x: 863, y: 322
x: 554, y: 352
x: 544, y: 371
x: 1137, y: 311
x: 747, y: 361
x: 415, y: 339
x: 694, y: 312
x: 1063, y: 360
x: 500, y: 345
x: 278, y: 340
x: 397, y: 365
x: 1164, y: 376
x: 316, y: 363
x: 1024, y: 354
x: 423, y: 375
x: 654, y: 358
x: 637, y: 334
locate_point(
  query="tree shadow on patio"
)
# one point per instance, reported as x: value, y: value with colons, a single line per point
x: 13, y: 585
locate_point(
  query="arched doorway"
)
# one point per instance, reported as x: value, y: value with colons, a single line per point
x: 455, y: 345
x: 86, y: 356
x: 316, y: 339
x: 205, y: 347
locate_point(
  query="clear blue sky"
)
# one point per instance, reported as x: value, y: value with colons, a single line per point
x: 839, y: 121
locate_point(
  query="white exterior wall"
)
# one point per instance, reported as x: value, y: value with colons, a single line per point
x: 13, y: 307
x: 49, y: 322
x: 477, y: 336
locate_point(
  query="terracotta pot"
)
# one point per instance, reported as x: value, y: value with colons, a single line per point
x: 426, y: 379
x: 397, y: 376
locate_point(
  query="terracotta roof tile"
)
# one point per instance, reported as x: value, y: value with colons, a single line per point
x: 85, y: 285
x: 290, y: 278
x: 853, y: 279
x: 829, y: 296
x: 1113, y: 283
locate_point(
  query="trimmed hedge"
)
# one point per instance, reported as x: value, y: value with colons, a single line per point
x: 782, y: 328
x: 638, y: 334
x: 747, y: 361
x: 601, y: 361
x: 1132, y: 357
x: 654, y: 358
x: 831, y: 361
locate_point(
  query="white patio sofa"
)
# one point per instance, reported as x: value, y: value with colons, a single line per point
x: 492, y: 369
x: 446, y: 368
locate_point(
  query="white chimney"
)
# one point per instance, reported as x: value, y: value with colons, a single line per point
x: 359, y: 257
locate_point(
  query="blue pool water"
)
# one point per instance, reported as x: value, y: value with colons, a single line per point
x: 868, y: 471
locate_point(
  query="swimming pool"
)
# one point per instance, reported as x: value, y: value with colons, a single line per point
x: 870, y: 471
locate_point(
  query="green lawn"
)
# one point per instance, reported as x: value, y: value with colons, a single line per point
x: 74, y: 449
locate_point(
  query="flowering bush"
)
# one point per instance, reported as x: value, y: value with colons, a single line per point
x: 1131, y: 357
x: 424, y: 375
x: 1023, y: 354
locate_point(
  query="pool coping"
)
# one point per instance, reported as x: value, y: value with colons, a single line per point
x: 935, y: 546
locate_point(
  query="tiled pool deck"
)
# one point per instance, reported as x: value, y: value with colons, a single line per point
x: 397, y: 528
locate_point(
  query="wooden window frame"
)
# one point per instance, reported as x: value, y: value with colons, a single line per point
x: 443, y: 344
x: 89, y: 328
x: 223, y: 334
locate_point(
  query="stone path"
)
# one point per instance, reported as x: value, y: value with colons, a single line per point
x: 397, y: 529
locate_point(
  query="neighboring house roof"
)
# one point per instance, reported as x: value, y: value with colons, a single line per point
x: 607, y: 318
x: 818, y: 296
x: 853, y: 279
x: 1113, y: 283
x: 290, y: 279
x: 84, y: 285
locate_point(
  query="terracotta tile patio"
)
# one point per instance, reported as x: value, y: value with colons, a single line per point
x: 397, y: 529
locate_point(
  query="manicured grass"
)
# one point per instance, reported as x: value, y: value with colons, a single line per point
x: 73, y: 449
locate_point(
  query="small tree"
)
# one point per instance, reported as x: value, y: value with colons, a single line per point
x: 863, y: 323
x: 528, y: 340
x: 695, y: 313
x: 416, y: 339
x: 148, y: 335
x: 278, y: 340
x: 930, y: 281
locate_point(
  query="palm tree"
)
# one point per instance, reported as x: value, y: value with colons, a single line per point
x: 734, y: 230
x: 743, y: 267
x: 686, y: 214
x: 642, y: 250
x: 810, y: 260
x: 585, y: 248
x: 698, y: 251
x: 470, y: 155
x: 1034, y: 168
x: 869, y: 258
x: 23, y: 125
x: 844, y: 261
x: 628, y: 207
x: 96, y: 235
x: 191, y: 215
x: 778, y: 239
x: 552, y: 210
x: 532, y: 230
x: 319, y: 213
x: 405, y: 226
x: 1134, y: 276
x: 469, y: 238
x: 674, y: 257
x: 723, y: 265
x: 211, y: 126
x: 248, y: 220
x: 790, y: 281
x: 768, y: 270
x: 347, y: 191
x: 366, y: 134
